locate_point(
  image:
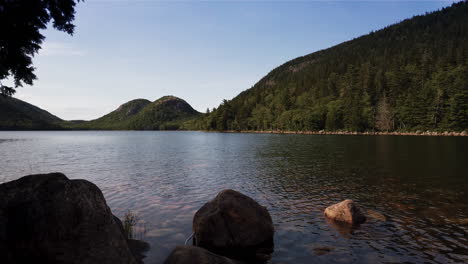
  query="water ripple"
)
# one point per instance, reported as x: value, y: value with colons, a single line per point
x: 417, y: 185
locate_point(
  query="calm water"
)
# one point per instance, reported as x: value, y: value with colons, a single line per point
x: 420, y: 185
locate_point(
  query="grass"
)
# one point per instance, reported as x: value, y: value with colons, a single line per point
x: 133, y: 228
x: 129, y: 223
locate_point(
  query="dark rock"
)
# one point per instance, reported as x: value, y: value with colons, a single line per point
x: 319, y: 251
x: 346, y: 211
x: 51, y: 219
x: 371, y: 214
x: 119, y: 224
x: 235, y: 226
x: 196, y: 255
x: 138, y: 248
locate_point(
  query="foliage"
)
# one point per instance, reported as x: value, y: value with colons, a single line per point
x: 166, y: 113
x: 18, y: 115
x: 408, y: 76
x: 20, y: 36
x: 129, y: 223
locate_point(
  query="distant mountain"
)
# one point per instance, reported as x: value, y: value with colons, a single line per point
x: 166, y: 113
x: 19, y: 115
x: 409, y: 76
x: 117, y: 119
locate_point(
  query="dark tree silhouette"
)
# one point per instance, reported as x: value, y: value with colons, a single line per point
x: 20, y: 37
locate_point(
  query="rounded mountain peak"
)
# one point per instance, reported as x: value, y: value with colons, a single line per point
x: 132, y: 107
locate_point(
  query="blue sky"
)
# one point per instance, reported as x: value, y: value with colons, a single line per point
x: 201, y: 51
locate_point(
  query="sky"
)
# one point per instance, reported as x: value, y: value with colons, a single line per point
x: 200, y: 51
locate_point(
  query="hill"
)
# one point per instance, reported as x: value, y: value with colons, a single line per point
x: 19, y: 115
x: 165, y: 113
x: 409, y: 76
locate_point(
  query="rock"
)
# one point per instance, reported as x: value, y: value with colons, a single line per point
x: 346, y: 211
x: 463, y: 133
x: 196, y: 255
x: 344, y: 229
x: 319, y: 251
x: 119, y: 224
x: 51, y: 219
x: 138, y: 248
x: 376, y: 215
x: 235, y: 226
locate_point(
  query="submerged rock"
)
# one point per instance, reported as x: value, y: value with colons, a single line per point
x: 375, y: 215
x: 196, y: 255
x: 346, y: 211
x: 235, y: 226
x: 51, y: 219
x: 319, y: 251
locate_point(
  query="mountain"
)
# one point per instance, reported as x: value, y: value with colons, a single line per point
x: 19, y: 115
x: 166, y: 113
x: 116, y: 119
x: 408, y: 76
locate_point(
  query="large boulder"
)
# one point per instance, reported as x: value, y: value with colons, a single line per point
x: 346, y: 211
x: 196, y: 255
x: 51, y: 219
x: 235, y: 226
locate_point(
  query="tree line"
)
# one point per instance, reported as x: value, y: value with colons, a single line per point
x: 409, y: 76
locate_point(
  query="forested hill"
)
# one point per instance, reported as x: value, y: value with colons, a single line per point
x: 409, y: 76
x: 166, y: 113
x: 19, y: 115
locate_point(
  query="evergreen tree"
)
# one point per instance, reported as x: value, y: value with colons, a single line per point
x: 21, y: 22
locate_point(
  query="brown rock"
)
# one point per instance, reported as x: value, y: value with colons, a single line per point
x: 51, y: 219
x: 235, y: 226
x: 319, y: 251
x: 346, y: 211
x: 196, y: 255
x: 376, y: 215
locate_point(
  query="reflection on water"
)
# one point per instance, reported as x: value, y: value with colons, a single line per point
x: 415, y: 187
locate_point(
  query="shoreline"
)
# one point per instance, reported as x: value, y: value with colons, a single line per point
x: 347, y: 133
x: 287, y: 132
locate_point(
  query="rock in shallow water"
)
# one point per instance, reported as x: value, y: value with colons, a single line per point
x: 346, y: 211
x: 371, y: 214
x: 235, y: 226
x: 51, y: 219
x: 196, y: 255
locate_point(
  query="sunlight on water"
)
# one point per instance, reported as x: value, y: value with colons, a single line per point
x: 415, y: 187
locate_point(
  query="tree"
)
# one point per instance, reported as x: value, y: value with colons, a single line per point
x: 459, y: 111
x: 20, y: 37
x: 384, y: 118
x: 409, y: 76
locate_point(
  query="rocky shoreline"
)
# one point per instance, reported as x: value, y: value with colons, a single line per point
x: 48, y: 218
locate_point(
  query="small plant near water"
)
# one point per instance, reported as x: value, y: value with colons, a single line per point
x: 134, y: 228
x: 129, y: 223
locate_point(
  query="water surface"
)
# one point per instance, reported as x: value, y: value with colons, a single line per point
x: 420, y: 185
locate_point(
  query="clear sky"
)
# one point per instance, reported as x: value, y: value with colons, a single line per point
x: 200, y: 51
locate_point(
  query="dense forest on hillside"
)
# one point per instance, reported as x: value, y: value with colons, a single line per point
x: 19, y: 115
x: 166, y: 113
x: 409, y: 76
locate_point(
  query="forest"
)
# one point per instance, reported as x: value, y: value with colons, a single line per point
x: 409, y: 76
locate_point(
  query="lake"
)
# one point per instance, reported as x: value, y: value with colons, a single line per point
x: 419, y: 185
